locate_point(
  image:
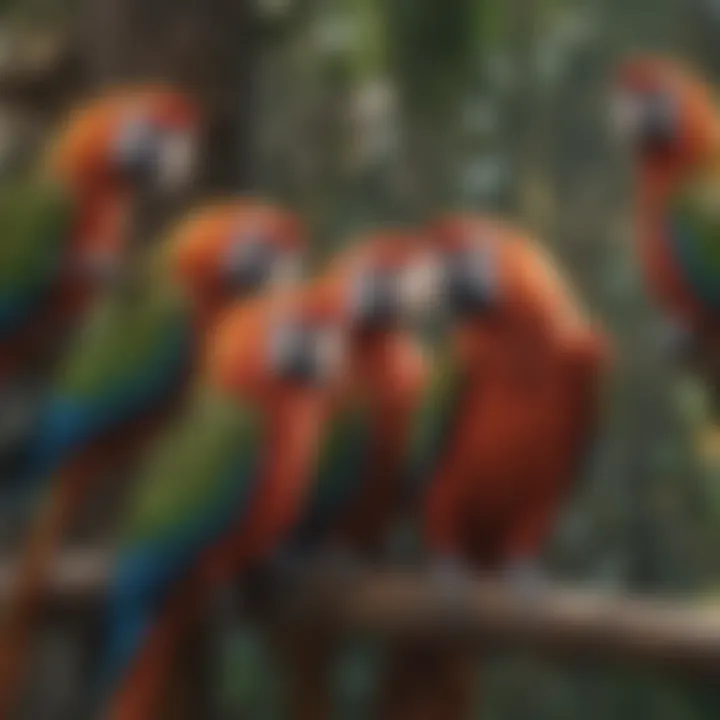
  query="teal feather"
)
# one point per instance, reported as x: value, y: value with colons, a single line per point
x: 342, y: 468
x: 692, y: 230
x: 199, y: 481
x: 133, y: 356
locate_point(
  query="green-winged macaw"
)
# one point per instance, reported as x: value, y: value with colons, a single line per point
x: 66, y: 229
x: 224, y: 489
x: 668, y: 114
x: 127, y: 373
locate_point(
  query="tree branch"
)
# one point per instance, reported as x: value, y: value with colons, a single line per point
x: 561, y: 622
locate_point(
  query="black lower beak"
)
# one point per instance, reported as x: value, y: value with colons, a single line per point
x: 467, y: 294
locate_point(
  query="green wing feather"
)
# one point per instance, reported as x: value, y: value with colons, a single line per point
x: 200, y: 472
x: 36, y: 223
x: 341, y: 469
x: 130, y: 335
x: 435, y: 419
x: 692, y: 226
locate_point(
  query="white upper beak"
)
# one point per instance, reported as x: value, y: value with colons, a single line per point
x: 178, y: 160
x: 421, y: 286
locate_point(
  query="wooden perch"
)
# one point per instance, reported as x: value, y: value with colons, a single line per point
x: 680, y: 637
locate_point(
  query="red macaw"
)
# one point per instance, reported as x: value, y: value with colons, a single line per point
x: 523, y: 384
x: 510, y: 416
x: 128, y: 373
x: 222, y: 494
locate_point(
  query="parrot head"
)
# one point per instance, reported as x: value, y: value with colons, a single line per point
x: 120, y: 159
x: 298, y: 340
x: 234, y: 249
x: 665, y: 113
x: 387, y: 280
x: 129, y: 140
x: 467, y: 254
x: 306, y: 343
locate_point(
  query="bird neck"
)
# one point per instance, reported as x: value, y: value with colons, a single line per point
x: 101, y: 220
x: 206, y: 313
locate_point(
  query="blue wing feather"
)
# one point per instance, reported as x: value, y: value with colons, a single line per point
x: 70, y: 423
x: 151, y: 565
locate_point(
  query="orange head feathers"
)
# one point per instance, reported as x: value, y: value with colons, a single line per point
x: 297, y: 339
x: 386, y: 279
x: 145, y: 133
x: 667, y: 112
x: 471, y: 257
x: 232, y: 249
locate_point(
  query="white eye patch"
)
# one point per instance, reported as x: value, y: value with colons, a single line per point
x: 420, y: 286
x: 305, y: 354
x: 135, y: 145
x: 649, y: 118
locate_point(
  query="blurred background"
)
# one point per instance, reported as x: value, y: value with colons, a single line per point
x: 362, y: 112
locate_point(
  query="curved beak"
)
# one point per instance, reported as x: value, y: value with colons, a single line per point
x: 177, y: 161
x: 253, y: 266
x: 420, y: 287
x: 646, y: 122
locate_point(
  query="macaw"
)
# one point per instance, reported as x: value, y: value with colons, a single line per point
x: 669, y: 116
x: 224, y: 489
x: 130, y: 369
x: 509, y: 419
x: 524, y: 388
x: 361, y: 476
x: 65, y: 229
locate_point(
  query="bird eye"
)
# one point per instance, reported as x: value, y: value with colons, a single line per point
x: 248, y: 263
x: 305, y: 354
x: 376, y: 298
x: 420, y: 286
x: 136, y: 149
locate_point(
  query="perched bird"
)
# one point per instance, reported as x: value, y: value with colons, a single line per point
x: 669, y: 117
x: 224, y: 489
x: 129, y: 370
x: 66, y: 228
x: 361, y: 477
x: 511, y: 415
